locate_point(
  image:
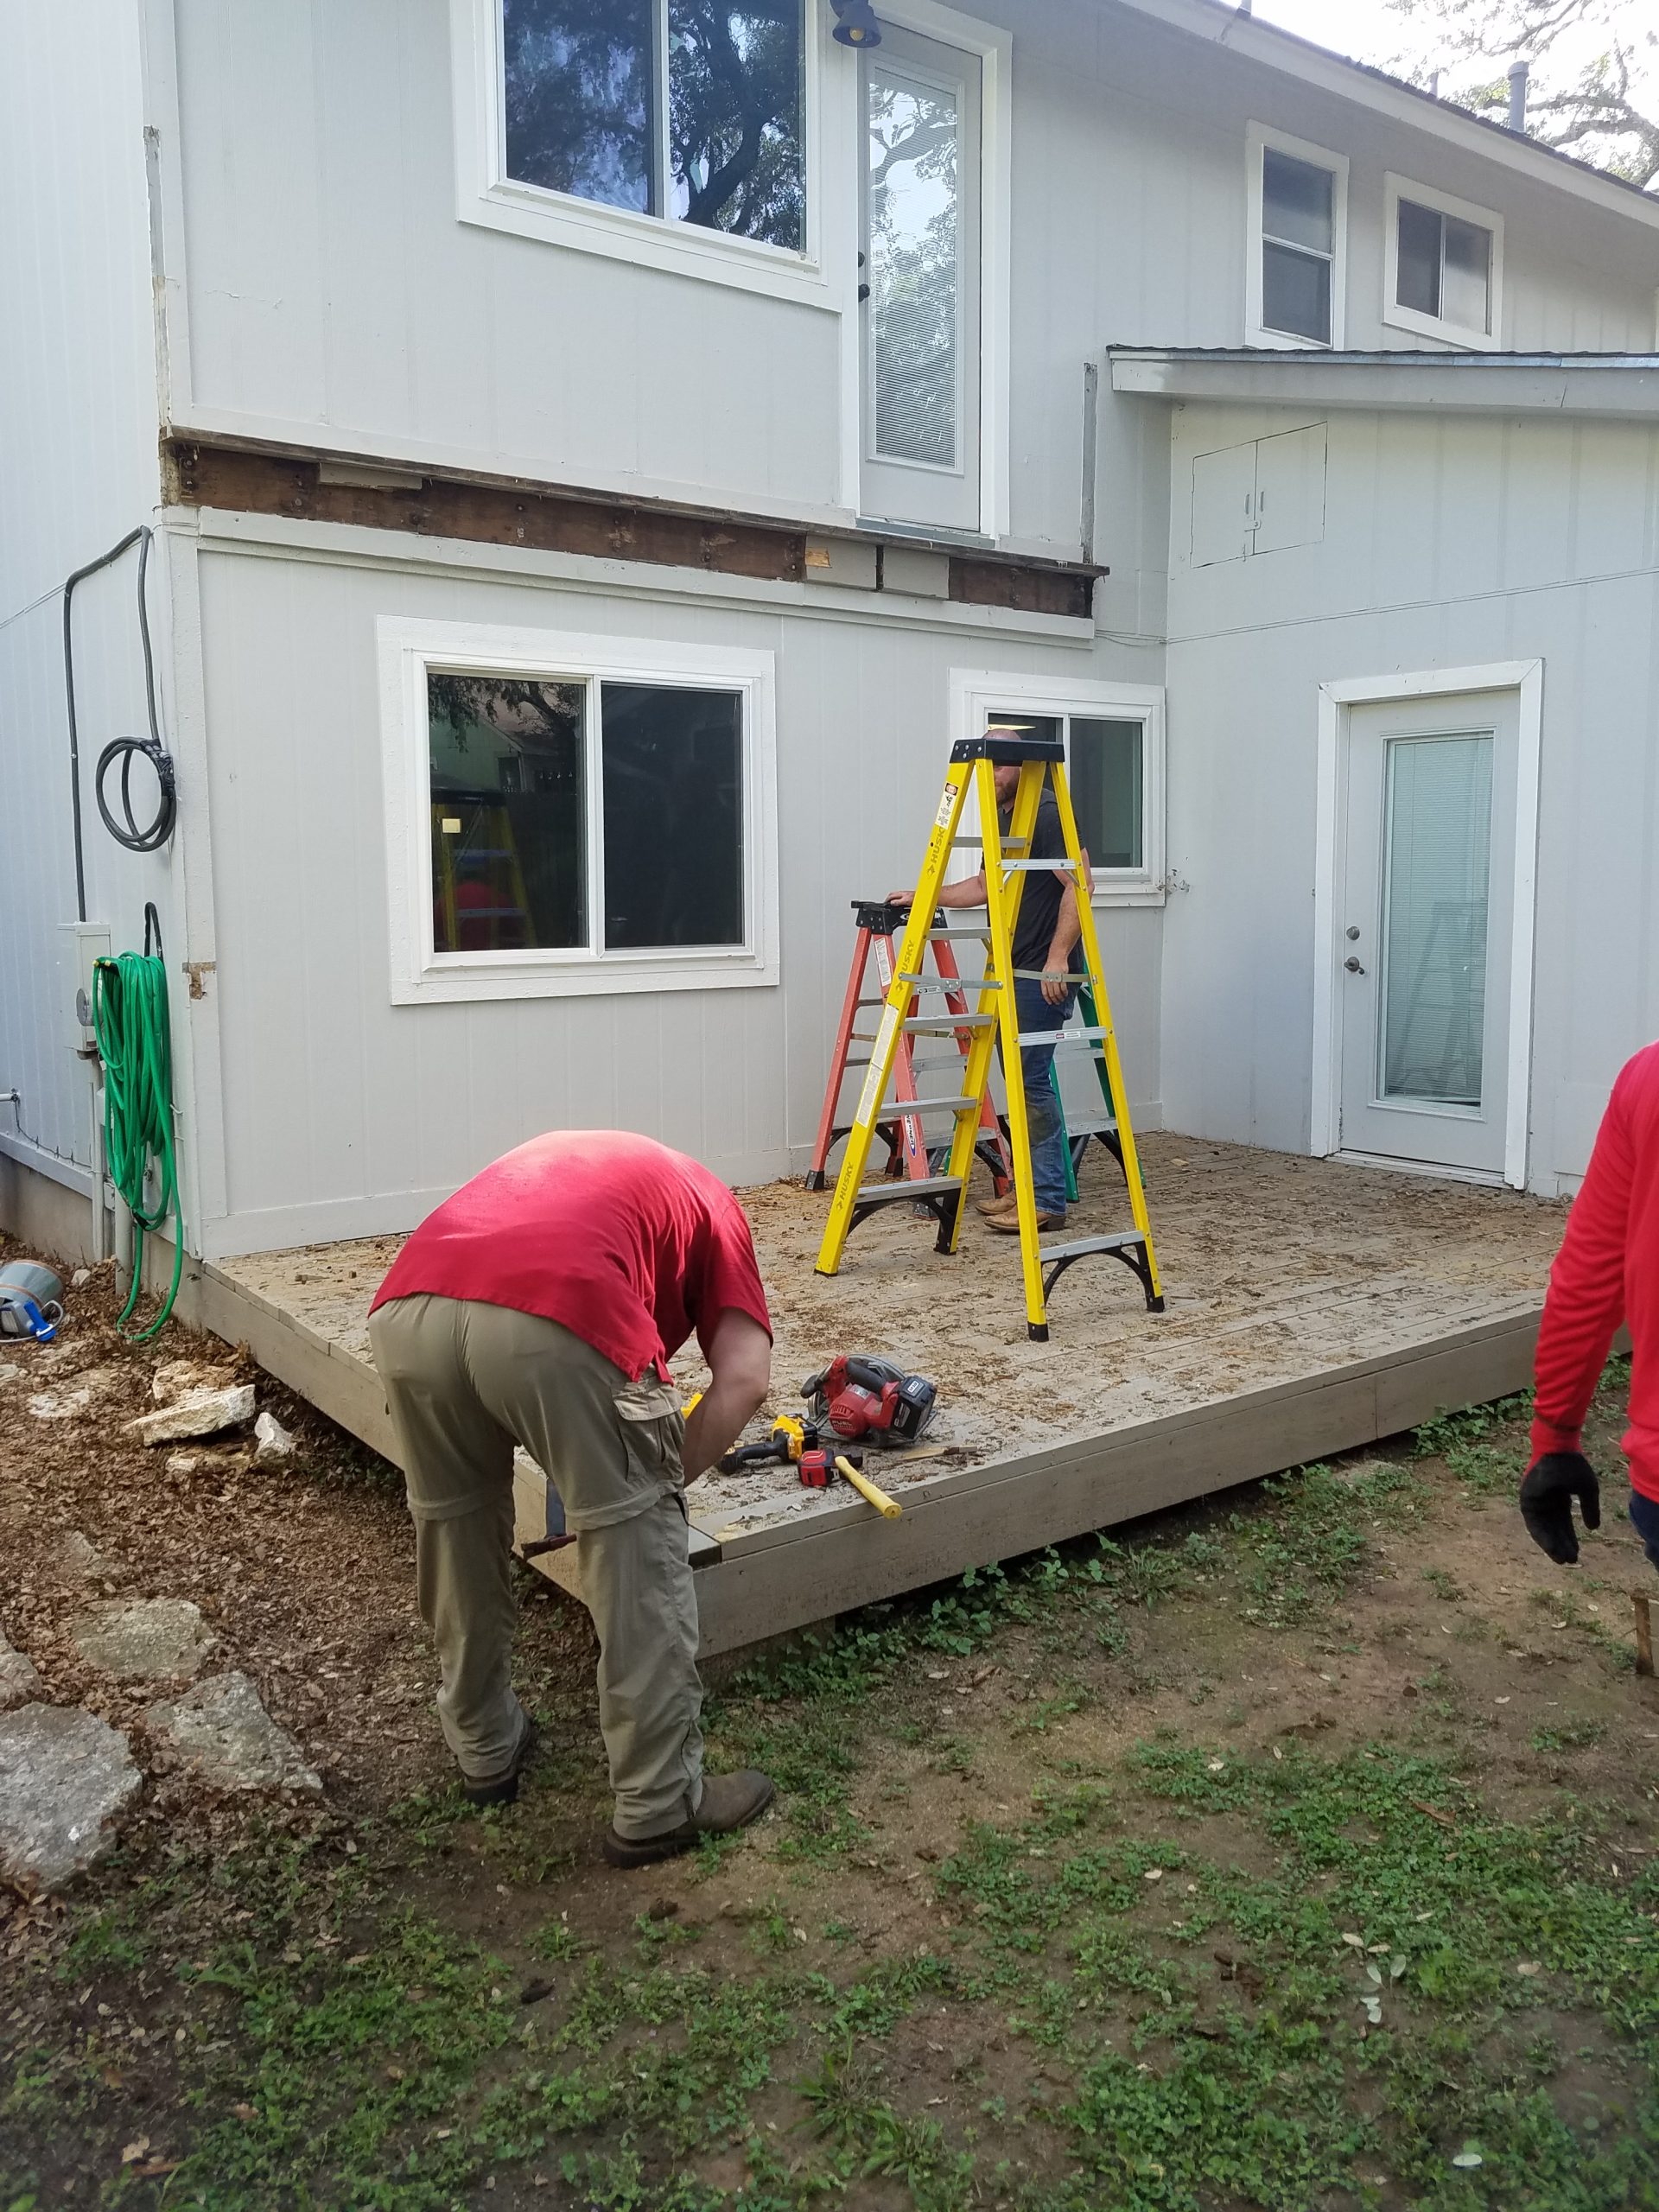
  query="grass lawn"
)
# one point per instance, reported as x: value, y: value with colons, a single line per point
x: 1294, y: 1852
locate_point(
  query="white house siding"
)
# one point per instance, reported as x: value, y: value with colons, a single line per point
x: 78, y: 470
x: 1447, y: 544
x: 343, y: 1114
x: 333, y: 295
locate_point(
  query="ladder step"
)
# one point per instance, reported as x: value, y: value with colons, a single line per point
x: 932, y: 1105
x: 1083, y: 1245
x: 963, y: 983
x: 928, y: 1024
x: 1010, y: 845
x: 1021, y: 867
x: 893, y: 1194
x: 1091, y: 1125
x: 1058, y: 1037
x: 980, y: 935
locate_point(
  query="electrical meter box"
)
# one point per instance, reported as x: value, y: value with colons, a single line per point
x: 82, y: 944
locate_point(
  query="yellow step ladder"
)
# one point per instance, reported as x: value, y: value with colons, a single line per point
x: 974, y: 763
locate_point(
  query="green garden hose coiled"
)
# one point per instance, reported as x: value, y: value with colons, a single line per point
x: 129, y: 1019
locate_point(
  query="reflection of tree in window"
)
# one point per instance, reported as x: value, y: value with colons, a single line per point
x: 508, y: 829
x: 578, y: 85
x: 584, y: 99
x: 912, y: 141
x: 673, y: 805
x: 734, y: 118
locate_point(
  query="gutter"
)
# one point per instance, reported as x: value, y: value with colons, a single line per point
x: 1620, y: 384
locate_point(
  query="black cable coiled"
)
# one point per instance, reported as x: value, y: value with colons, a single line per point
x: 126, y: 831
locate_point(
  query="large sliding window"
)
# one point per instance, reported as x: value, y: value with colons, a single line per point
x: 688, y: 110
x: 574, y: 814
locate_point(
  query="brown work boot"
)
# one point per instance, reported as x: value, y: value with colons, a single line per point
x: 1003, y: 1198
x: 501, y: 1789
x: 1007, y: 1225
x: 728, y: 1802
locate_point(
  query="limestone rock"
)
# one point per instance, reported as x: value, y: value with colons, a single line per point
x: 81, y: 1278
x: 202, y: 1412
x: 176, y: 1378
x: 60, y: 1404
x: 144, y: 1639
x: 9, y: 1372
x: 64, y: 1776
x: 19, y: 1682
x: 81, y: 1560
x: 183, y: 1463
x: 221, y: 1729
x: 273, y: 1440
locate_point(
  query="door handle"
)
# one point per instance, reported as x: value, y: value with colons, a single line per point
x: 1353, y: 966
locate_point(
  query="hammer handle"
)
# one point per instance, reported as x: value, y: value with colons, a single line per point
x: 866, y: 1488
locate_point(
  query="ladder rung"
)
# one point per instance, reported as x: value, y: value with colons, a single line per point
x: 932, y: 1105
x: 1013, y: 867
x: 1065, y: 1036
x: 963, y: 983
x: 928, y: 1024
x: 978, y: 936
x: 891, y: 1194
x: 1083, y: 1245
x: 1010, y: 845
x: 1091, y: 1125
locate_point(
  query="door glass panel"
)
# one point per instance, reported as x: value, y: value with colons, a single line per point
x: 1436, y: 881
x: 912, y: 134
x: 1105, y: 772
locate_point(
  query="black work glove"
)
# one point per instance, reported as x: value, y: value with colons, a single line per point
x: 1550, y: 1486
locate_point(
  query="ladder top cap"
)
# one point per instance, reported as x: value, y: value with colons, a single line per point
x: 1004, y: 750
x: 882, y: 914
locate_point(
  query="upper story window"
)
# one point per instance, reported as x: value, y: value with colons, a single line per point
x: 1298, y: 221
x: 687, y: 110
x: 1444, y: 265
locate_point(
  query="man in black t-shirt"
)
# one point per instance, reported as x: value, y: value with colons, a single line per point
x: 1044, y: 937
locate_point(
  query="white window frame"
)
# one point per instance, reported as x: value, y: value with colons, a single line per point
x: 486, y: 195
x: 1396, y: 188
x: 419, y: 974
x: 1260, y: 138
x: 977, y: 692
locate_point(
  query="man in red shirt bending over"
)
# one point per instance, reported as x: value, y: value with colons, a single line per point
x: 539, y: 1306
x: 1607, y: 1271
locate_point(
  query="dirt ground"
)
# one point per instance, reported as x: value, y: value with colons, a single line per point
x: 1071, y: 1897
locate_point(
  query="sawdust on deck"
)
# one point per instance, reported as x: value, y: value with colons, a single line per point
x: 1274, y: 1267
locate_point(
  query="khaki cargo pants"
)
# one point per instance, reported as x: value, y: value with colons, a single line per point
x: 465, y: 1383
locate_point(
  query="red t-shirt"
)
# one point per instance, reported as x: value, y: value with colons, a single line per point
x: 628, y: 1245
x: 1607, y: 1271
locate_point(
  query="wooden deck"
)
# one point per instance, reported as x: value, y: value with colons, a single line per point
x: 1312, y: 1307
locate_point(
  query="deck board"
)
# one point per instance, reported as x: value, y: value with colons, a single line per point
x: 1312, y: 1307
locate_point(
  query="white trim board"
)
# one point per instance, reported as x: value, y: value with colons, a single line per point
x: 1525, y: 677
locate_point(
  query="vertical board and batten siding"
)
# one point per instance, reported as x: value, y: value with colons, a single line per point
x: 343, y: 1115
x: 78, y: 470
x: 332, y: 289
x: 1448, y: 543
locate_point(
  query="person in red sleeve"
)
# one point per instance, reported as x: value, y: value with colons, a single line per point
x: 539, y: 1306
x: 1606, y: 1272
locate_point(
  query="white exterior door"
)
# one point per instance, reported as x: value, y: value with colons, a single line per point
x: 1426, y: 920
x: 920, y: 283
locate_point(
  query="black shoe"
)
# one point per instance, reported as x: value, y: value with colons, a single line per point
x: 728, y: 1802
x: 502, y: 1789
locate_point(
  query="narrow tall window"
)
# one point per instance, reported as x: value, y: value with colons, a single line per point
x: 691, y: 109
x: 1298, y: 246
x: 1106, y: 773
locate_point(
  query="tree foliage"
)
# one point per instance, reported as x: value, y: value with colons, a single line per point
x: 1595, y: 64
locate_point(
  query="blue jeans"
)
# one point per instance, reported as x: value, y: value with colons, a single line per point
x: 1043, y: 1119
x: 1645, y: 1519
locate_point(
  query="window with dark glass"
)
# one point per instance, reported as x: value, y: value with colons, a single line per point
x: 1105, y: 764
x: 1444, y: 267
x: 512, y: 762
x: 1298, y: 246
x: 691, y: 109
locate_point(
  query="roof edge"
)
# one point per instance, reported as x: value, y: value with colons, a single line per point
x: 1293, y: 55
